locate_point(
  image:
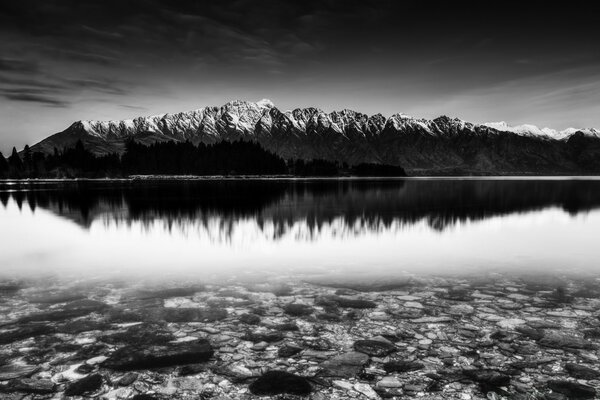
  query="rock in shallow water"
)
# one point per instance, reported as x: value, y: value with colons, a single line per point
x: 278, y: 382
x: 133, y: 357
x: 71, y: 310
x: 86, y: 385
x: 25, y: 332
x: 13, y: 371
x: 288, y: 350
x: 374, y: 348
x: 573, y: 390
x: 345, y: 302
x: 34, y: 386
x: 402, y: 366
x: 562, y: 340
x: 488, y: 377
x: 346, y: 365
x: 581, y: 372
x: 298, y: 310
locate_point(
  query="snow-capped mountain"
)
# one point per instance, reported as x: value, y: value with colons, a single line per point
x: 532, y: 130
x: 441, y: 145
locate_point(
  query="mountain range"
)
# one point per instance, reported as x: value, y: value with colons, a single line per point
x: 441, y: 146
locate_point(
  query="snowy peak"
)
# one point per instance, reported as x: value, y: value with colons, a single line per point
x: 239, y: 118
x: 534, y: 131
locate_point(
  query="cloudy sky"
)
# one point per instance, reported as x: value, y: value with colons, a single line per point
x: 62, y: 61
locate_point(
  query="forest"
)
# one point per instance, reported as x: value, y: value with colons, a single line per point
x: 176, y: 158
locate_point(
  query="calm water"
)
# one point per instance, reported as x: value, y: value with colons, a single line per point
x: 329, y: 229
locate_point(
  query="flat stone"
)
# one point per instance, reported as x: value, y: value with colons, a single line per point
x: 432, y: 320
x: 134, y: 358
x: 268, y: 336
x: 13, y: 371
x: 408, y: 297
x: 56, y: 297
x: 345, y: 302
x: 298, y: 310
x: 140, y: 335
x: 488, y: 377
x: 461, y: 309
x: 127, y: 379
x: 28, y: 385
x: 379, y: 316
x: 413, y: 304
x: 86, y: 385
x: 375, y: 348
x: 346, y: 365
x: 559, y: 340
x: 209, y: 314
x: 572, y: 389
x: 510, y: 323
x: 279, y: 382
x: 26, y: 332
x: 389, y: 382
x: 366, y: 390
x: 250, y: 319
x: 344, y: 385
x: 288, y: 350
x: 581, y: 371
x: 402, y: 366
x: 71, y: 310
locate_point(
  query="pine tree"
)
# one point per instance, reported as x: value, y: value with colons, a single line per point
x: 3, y: 165
x: 14, y: 161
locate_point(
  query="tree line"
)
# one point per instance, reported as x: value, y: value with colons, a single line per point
x: 175, y: 158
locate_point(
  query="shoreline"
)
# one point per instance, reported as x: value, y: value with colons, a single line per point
x: 142, y: 178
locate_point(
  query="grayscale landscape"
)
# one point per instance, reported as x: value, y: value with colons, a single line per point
x: 299, y: 200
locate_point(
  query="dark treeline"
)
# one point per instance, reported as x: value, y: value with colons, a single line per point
x: 172, y: 158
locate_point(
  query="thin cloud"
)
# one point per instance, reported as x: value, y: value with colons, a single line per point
x: 33, y: 96
x: 16, y: 65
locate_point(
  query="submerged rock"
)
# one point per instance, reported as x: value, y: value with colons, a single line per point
x: 562, y: 340
x: 573, y: 390
x: 74, y: 309
x: 250, y: 319
x: 581, y: 371
x: 298, y: 310
x: 346, y: 302
x: 402, y: 366
x: 34, y: 386
x: 56, y: 297
x: 488, y: 377
x: 288, y: 350
x: 13, y: 371
x: 210, y: 314
x: 375, y: 348
x: 279, y: 382
x: 26, y: 332
x: 135, y: 357
x: 140, y: 335
x: 86, y: 385
x: 268, y: 337
x: 346, y: 365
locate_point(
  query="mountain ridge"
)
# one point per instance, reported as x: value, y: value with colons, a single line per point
x: 439, y: 146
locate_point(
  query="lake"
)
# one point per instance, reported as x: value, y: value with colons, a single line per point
x: 202, y: 230
x: 335, y: 288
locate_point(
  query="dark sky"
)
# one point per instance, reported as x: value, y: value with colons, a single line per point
x: 522, y: 62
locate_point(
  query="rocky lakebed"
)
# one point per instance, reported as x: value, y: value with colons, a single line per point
x: 425, y: 338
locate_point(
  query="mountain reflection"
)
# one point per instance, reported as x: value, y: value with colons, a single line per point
x: 280, y: 206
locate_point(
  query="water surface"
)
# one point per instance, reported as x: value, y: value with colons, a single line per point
x: 328, y: 229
